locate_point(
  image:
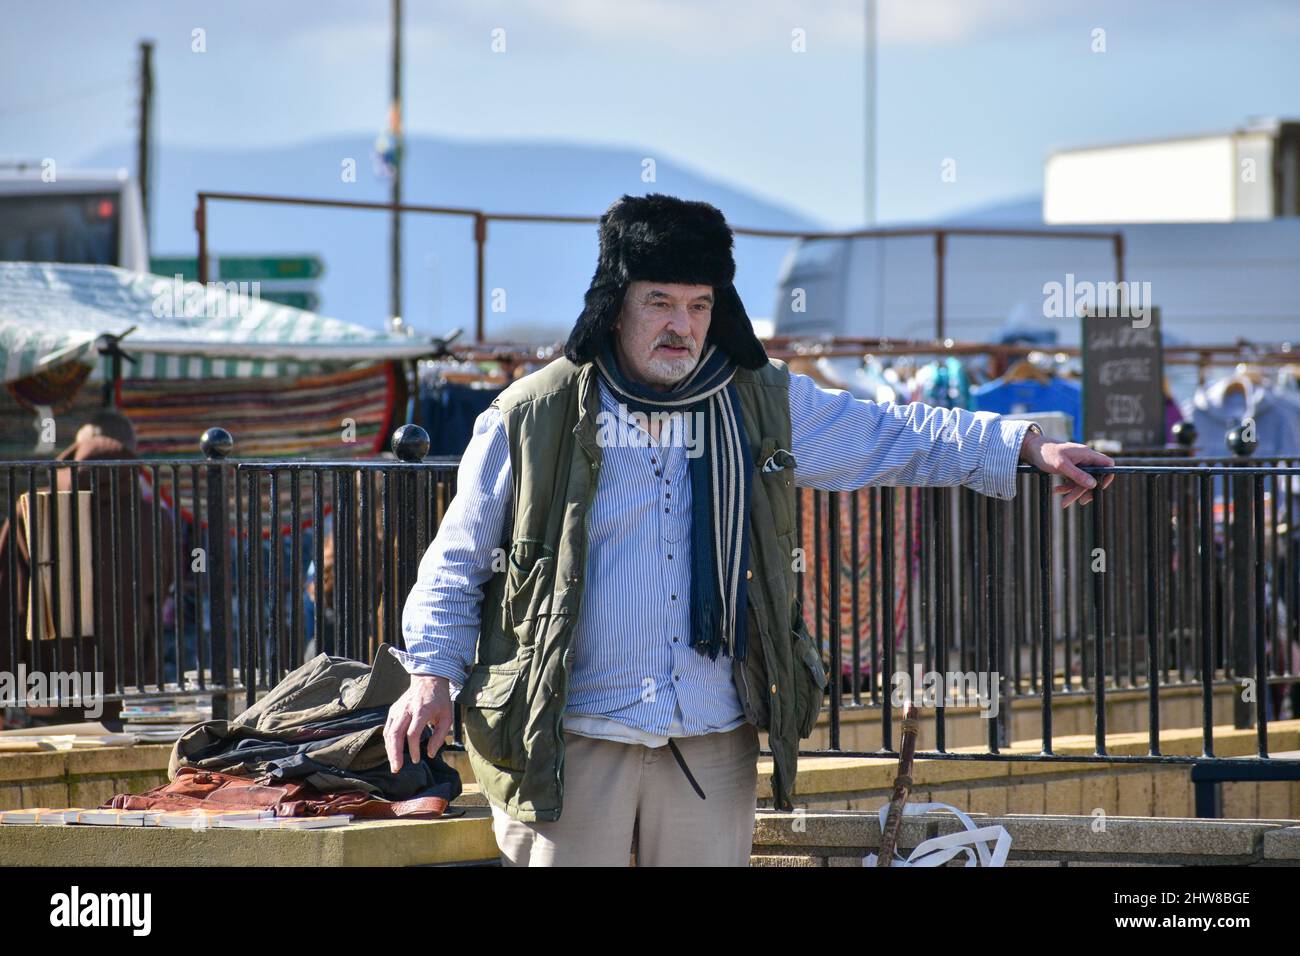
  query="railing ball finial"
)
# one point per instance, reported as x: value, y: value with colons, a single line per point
x: 1185, y: 434
x: 216, y: 443
x: 410, y: 443
x: 1239, y: 442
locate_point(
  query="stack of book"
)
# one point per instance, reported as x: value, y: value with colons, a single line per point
x: 163, y: 719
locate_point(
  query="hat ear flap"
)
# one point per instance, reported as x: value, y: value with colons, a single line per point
x: 601, y: 306
x: 732, y: 332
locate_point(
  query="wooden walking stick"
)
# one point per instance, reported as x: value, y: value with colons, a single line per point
x: 902, y: 788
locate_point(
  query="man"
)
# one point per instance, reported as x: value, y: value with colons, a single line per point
x: 620, y: 553
x: 108, y: 436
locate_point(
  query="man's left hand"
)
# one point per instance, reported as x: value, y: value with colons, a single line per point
x: 1064, y: 459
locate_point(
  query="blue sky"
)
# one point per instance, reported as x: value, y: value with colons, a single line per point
x: 713, y: 85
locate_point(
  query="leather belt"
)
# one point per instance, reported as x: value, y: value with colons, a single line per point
x: 681, y: 762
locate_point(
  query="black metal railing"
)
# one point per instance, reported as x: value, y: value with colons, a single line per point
x: 220, y: 576
x: 1177, y: 576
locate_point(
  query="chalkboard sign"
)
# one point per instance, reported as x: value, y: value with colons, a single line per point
x: 1123, y: 375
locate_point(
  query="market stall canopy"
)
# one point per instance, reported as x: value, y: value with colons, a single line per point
x: 52, y: 314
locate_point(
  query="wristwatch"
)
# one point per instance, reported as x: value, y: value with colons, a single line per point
x: 1036, y: 428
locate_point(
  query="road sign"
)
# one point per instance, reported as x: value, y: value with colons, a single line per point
x: 298, y: 298
x: 241, y: 268
x: 267, y: 268
x: 185, y: 266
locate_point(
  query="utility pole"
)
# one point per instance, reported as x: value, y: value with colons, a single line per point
x: 869, y: 116
x: 145, y: 132
x: 395, y: 121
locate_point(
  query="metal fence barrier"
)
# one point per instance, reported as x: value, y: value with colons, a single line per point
x: 221, y: 576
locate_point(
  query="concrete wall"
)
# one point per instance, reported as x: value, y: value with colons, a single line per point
x: 1126, y: 712
x: 80, y: 778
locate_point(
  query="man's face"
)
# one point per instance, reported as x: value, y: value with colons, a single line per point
x: 660, y: 333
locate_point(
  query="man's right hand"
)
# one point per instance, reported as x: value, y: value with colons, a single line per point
x: 426, y: 703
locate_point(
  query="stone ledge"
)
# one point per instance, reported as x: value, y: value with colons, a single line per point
x: 1044, y: 838
x: 371, y: 843
x: 1283, y: 844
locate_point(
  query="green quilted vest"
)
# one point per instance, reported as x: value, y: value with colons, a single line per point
x: 513, y: 701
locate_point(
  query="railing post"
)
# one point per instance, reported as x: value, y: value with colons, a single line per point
x: 217, y: 444
x: 940, y: 254
x: 1238, y: 538
x: 410, y: 444
x: 480, y: 247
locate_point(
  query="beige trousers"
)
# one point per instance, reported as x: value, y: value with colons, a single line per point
x: 615, y: 790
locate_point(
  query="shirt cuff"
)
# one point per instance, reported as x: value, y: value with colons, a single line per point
x: 1002, y: 458
x: 422, y: 667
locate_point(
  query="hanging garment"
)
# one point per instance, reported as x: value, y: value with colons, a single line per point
x: 1030, y: 395
x: 322, y: 725
x: 946, y: 384
x: 1172, y: 417
x: 448, y: 411
x: 837, y: 597
x: 1220, y: 406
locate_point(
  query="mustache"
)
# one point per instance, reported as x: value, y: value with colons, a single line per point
x: 673, y: 340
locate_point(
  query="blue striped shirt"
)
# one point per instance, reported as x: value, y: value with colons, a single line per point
x: 634, y: 677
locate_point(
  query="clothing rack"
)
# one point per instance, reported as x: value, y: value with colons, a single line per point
x: 501, y: 363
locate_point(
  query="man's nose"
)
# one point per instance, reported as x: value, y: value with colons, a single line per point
x: 679, y: 322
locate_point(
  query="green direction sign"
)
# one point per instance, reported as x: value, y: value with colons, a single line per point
x: 186, y: 266
x: 241, y: 268
x: 267, y: 268
x: 299, y: 299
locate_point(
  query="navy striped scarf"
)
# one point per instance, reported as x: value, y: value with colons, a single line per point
x: 720, y: 490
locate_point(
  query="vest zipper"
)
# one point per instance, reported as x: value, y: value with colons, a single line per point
x: 568, y: 651
x: 749, y: 701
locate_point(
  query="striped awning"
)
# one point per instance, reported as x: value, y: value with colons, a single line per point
x: 52, y: 314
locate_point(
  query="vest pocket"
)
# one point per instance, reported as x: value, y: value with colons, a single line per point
x: 810, y: 678
x: 525, y: 598
x: 778, y: 486
x: 494, y: 701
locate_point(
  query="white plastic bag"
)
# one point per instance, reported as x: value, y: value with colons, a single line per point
x: 939, y: 850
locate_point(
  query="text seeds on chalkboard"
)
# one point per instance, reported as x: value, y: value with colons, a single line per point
x: 1123, y: 376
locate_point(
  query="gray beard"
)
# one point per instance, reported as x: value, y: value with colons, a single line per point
x: 671, y: 371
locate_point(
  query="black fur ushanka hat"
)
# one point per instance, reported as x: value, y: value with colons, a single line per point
x: 659, y: 238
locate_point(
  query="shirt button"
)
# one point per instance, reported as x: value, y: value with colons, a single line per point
x: 674, y: 640
x: 677, y: 677
x: 774, y: 688
x: 749, y: 575
x: 667, y: 494
x: 674, y: 598
x: 658, y: 472
x: 670, y: 557
x: 665, y: 511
